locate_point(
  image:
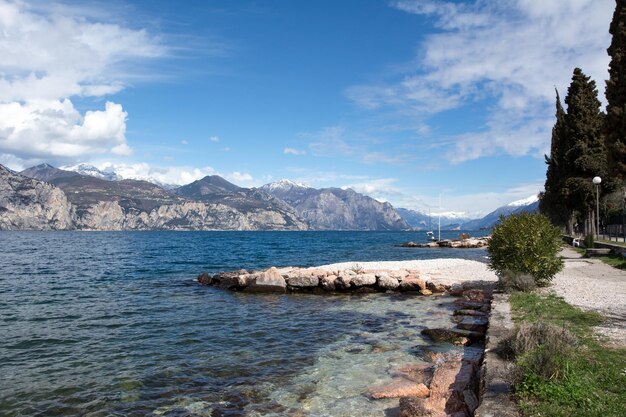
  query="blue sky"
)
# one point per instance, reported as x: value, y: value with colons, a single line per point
x: 401, y: 100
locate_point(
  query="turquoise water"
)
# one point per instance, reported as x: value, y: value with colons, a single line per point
x: 113, y: 323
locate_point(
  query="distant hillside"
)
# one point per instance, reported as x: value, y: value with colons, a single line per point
x: 416, y: 219
x: 47, y: 173
x: 98, y: 204
x: 84, y: 190
x: 335, y: 208
x: 103, y: 201
x: 215, y: 189
x: 30, y: 204
x: 530, y: 204
x: 422, y: 221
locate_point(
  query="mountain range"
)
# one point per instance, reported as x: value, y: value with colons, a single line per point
x: 84, y: 197
x: 336, y: 208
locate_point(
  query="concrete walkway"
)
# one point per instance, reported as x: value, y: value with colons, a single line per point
x: 593, y: 285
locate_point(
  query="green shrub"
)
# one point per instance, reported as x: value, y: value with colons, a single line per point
x: 589, y: 241
x: 526, y: 243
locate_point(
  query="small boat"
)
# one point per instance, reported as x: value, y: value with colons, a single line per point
x: 429, y: 233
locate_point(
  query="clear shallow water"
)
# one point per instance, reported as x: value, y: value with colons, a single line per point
x: 99, y: 323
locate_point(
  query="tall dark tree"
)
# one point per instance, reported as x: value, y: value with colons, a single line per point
x: 551, y: 202
x: 616, y: 93
x: 587, y: 155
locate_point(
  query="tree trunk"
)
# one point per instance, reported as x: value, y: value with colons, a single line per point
x: 570, y: 224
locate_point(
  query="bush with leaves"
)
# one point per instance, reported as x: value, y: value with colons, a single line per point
x: 526, y: 243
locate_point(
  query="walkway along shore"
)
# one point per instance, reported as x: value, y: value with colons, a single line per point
x: 591, y: 284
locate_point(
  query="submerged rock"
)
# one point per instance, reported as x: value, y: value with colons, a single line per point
x: 453, y: 335
x: 398, y: 389
x: 421, y: 373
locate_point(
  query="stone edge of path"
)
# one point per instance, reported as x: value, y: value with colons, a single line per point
x: 495, y: 373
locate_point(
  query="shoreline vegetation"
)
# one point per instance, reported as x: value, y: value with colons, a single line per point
x: 568, y: 370
x: 559, y: 356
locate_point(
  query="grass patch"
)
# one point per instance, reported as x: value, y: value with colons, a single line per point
x: 616, y: 261
x: 612, y: 242
x: 589, y: 379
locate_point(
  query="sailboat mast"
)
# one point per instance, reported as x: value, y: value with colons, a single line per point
x: 439, y: 227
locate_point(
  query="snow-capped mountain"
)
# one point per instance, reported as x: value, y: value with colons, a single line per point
x: 92, y: 171
x: 524, y: 202
x: 419, y: 220
x: 463, y: 221
x: 283, y: 185
x: 530, y: 204
x: 110, y: 174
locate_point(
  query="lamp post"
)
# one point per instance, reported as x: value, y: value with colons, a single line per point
x: 596, y: 182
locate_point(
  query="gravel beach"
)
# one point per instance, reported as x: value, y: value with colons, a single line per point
x: 439, y: 271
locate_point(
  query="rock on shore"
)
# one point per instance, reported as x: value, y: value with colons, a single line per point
x: 469, y: 243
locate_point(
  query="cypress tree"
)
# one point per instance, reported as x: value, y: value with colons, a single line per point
x: 616, y: 93
x: 587, y: 156
x: 551, y: 202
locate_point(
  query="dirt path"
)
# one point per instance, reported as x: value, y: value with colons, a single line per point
x: 594, y: 285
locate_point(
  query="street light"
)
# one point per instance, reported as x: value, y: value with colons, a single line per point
x: 596, y: 182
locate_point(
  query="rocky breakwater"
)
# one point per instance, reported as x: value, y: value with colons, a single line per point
x: 293, y: 280
x: 469, y: 243
x: 447, y: 382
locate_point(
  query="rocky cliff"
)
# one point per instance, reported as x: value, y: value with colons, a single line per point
x: 70, y: 200
x: 29, y: 204
x: 337, y: 209
x: 189, y: 215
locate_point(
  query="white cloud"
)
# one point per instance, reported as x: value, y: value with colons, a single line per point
x: 334, y: 141
x: 55, y: 130
x: 51, y: 54
x: 242, y: 179
x: 184, y: 142
x: 294, y: 151
x: 214, y: 139
x: 171, y: 175
x: 322, y: 178
x: 381, y: 189
x: 506, y: 56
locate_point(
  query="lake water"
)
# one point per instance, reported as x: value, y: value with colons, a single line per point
x: 113, y: 323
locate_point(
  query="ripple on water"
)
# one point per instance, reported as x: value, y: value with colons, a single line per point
x: 114, y: 324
